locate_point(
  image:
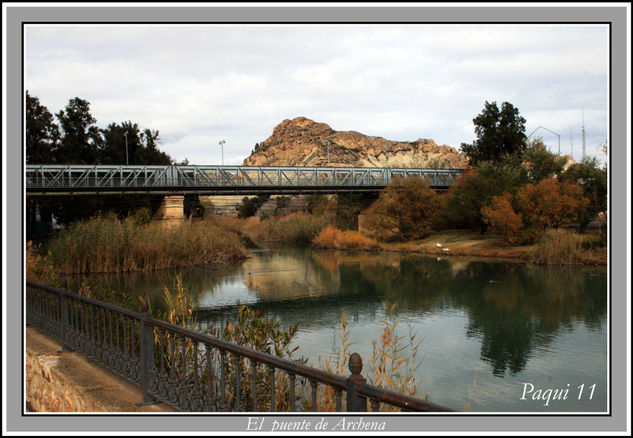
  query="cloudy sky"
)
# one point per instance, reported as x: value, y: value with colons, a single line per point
x: 198, y: 84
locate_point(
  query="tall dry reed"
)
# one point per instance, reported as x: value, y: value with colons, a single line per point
x: 107, y: 244
x: 559, y: 246
x: 295, y: 228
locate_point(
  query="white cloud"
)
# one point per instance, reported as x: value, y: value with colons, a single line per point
x: 199, y: 83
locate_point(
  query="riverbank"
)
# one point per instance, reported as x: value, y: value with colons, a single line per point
x: 465, y: 243
x: 451, y: 242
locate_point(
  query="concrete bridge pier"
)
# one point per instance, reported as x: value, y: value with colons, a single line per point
x: 171, y: 211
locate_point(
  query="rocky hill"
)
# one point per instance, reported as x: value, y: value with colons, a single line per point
x: 304, y: 142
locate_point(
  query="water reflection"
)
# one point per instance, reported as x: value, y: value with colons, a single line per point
x: 512, y: 309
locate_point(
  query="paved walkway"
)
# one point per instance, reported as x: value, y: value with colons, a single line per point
x: 101, y: 386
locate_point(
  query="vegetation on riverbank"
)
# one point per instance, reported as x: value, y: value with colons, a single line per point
x: 331, y: 237
x: 109, y: 244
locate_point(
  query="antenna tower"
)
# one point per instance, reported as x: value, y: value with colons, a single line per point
x: 584, y: 150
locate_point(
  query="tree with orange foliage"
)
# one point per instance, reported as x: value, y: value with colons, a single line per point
x: 502, y: 218
x: 550, y: 203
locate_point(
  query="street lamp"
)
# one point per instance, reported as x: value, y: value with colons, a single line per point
x: 222, y: 146
x: 127, y: 161
x: 558, y: 135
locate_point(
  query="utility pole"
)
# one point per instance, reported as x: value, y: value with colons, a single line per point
x: 127, y: 161
x: 571, y: 141
x: 327, y: 142
x: 222, y: 146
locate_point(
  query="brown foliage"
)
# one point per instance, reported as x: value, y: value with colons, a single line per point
x: 533, y: 209
x: 503, y: 219
x: 331, y: 237
x: 550, y: 203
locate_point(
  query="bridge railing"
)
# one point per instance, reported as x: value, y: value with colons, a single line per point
x: 81, y: 177
x: 191, y: 371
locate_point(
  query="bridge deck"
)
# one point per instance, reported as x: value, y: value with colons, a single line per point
x: 83, y: 179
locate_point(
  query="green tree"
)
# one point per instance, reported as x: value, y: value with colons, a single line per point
x: 593, y: 180
x: 499, y: 133
x: 408, y: 208
x: 348, y: 205
x: 81, y: 138
x: 42, y: 134
x: 475, y: 188
x: 141, y: 146
x: 540, y: 162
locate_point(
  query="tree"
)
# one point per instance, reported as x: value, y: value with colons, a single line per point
x: 407, y: 209
x: 593, y: 179
x: 502, y: 218
x: 42, y: 134
x: 81, y: 138
x: 549, y: 204
x: 541, y: 163
x: 499, y: 133
x: 475, y: 188
x: 141, y: 145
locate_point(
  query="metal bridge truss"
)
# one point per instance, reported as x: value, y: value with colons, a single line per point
x: 82, y: 179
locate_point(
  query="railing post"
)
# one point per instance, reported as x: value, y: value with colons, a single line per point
x: 65, y: 326
x: 355, y: 403
x: 147, y: 354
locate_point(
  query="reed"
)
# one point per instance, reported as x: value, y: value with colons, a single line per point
x: 295, y: 228
x: 107, y: 244
x: 559, y: 246
x: 38, y: 266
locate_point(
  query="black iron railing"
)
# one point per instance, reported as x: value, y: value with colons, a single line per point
x: 191, y: 371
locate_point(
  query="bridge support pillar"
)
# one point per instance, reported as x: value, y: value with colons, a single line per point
x: 171, y: 211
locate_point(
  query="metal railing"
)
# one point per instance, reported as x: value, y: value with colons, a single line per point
x: 82, y: 178
x: 191, y: 371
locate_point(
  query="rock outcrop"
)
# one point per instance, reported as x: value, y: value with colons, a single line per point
x: 304, y: 142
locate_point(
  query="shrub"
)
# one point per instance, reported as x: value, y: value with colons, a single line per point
x: 550, y: 203
x: 503, y: 219
x: 39, y: 268
x: 331, y: 237
x: 475, y: 188
x: 407, y: 209
x: 250, y: 205
x: 593, y: 181
x: 348, y: 205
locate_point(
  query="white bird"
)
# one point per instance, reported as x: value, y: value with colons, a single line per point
x: 438, y: 245
x: 445, y: 249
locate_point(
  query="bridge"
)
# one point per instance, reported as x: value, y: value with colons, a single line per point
x: 50, y: 180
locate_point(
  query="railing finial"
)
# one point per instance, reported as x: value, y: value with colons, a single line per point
x: 355, y: 363
x: 145, y: 304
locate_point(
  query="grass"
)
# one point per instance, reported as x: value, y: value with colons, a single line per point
x: 107, y: 244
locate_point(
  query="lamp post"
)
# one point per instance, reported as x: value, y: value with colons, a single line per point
x: 127, y: 161
x: 558, y: 135
x: 222, y: 146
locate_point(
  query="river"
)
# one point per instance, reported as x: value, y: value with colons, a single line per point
x: 495, y: 335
